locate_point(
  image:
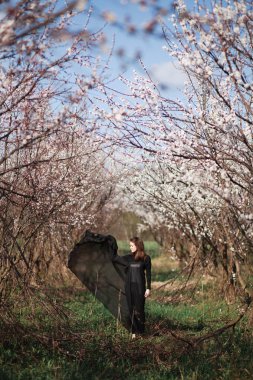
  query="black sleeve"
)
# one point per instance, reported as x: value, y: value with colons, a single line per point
x: 148, y: 271
x: 123, y: 260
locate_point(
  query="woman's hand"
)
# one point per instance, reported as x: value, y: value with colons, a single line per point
x: 147, y: 293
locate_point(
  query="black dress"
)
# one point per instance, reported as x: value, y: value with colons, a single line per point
x: 138, y: 275
x: 118, y: 282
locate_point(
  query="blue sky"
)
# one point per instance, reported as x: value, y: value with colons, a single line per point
x: 154, y: 57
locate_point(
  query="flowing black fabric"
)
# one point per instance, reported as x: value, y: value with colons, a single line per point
x: 119, y: 282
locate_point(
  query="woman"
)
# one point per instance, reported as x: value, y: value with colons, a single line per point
x: 137, y: 283
x: 119, y: 282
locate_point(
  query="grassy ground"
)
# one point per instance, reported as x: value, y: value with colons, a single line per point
x: 90, y: 345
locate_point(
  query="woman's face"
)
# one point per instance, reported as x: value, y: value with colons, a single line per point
x: 132, y: 247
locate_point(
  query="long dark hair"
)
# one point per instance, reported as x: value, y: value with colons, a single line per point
x: 139, y: 254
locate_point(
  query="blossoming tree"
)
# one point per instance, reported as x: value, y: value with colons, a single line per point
x: 53, y: 178
x: 195, y: 153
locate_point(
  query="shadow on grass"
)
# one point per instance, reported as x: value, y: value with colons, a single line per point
x: 157, y: 325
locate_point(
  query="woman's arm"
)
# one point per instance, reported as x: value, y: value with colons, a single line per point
x: 123, y: 260
x: 148, y: 272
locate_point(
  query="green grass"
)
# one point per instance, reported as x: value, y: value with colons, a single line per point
x: 92, y: 346
x: 165, y: 275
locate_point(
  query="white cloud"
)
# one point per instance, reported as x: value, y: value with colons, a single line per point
x: 2, y: 15
x: 169, y: 75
